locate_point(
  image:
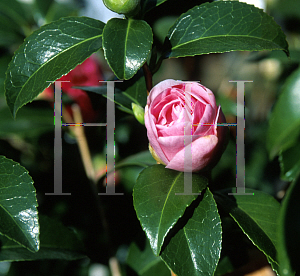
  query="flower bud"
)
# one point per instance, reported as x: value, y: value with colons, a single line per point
x: 172, y: 107
x: 138, y: 112
x: 127, y: 7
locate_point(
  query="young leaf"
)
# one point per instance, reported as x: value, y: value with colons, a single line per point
x: 145, y: 263
x: 126, y: 44
x: 47, y: 54
x: 289, y: 231
x: 18, y: 205
x: 196, y: 248
x: 56, y: 242
x: 284, y: 124
x: 156, y: 204
x: 224, y: 26
x: 257, y: 216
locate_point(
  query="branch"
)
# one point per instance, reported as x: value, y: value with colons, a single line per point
x: 148, y: 77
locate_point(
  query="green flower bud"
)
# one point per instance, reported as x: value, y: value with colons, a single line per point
x: 138, y: 112
x: 127, y: 7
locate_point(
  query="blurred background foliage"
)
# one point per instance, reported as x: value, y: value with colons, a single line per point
x: 109, y: 225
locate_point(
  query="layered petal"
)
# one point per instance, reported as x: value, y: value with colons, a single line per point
x: 152, y: 136
x: 201, y: 152
x: 172, y: 108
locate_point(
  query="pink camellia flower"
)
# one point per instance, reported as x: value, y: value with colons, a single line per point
x: 167, y: 117
x: 86, y: 74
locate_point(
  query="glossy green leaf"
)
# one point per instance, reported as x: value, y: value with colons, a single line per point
x: 30, y: 123
x: 47, y: 54
x: 18, y: 205
x: 289, y: 231
x: 145, y: 263
x: 195, y: 249
x: 126, y: 44
x: 224, y: 26
x: 290, y: 163
x: 148, y: 5
x: 257, y: 215
x: 56, y: 242
x: 156, y: 204
x: 284, y: 124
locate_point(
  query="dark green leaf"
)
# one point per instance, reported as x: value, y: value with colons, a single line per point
x: 56, y: 242
x: 119, y: 98
x: 224, y: 266
x: 14, y: 10
x: 30, y: 123
x: 279, y: 55
x: 148, y: 5
x: 133, y: 90
x: 289, y: 231
x: 145, y: 263
x: 224, y: 26
x: 257, y: 216
x: 49, y: 53
x: 126, y: 44
x: 287, y: 8
x: 9, y: 32
x: 18, y: 205
x: 59, y: 9
x: 4, y: 61
x: 162, y: 25
x: 284, y: 124
x: 290, y: 163
x: 137, y: 92
x: 43, y: 6
x: 157, y: 206
x: 195, y: 249
x: 142, y: 159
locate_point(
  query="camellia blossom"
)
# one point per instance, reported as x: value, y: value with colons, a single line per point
x: 86, y: 74
x: 167, y: 116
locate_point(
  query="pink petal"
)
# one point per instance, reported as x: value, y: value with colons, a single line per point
x: 160, y: 87
x: 152, y: 136
x: 202, y: 151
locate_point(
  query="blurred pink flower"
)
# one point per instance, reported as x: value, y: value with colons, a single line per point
x: 86, y: 74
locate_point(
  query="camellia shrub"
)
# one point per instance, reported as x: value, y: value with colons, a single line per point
x: 149, y: 175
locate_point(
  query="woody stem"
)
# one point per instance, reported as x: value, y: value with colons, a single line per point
x: 148, y: 77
